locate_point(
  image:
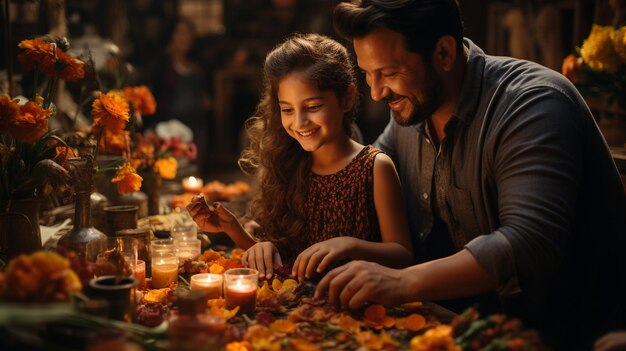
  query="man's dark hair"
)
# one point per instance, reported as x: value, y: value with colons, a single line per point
x: 421, y: 22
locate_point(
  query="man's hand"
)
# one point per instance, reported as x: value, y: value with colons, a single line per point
x: 358, y: 282
x: 211, y: 218
x: 263, y: 257
x: 319, y: 256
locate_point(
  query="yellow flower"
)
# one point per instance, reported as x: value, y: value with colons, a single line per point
x: 166, y: 167
x: 110, y: 110
x: 127, y: 179
x: 619, y: 43
x: 598, y: 51
x: 31, y: 123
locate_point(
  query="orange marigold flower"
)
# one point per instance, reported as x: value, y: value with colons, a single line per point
x: 71, y: 69
x: 142, y: 99
x: 112, y: 142
x: 110, y: 110
x: 30, y: 123
x: 8, y: 110
x: 127, y: 179
x: 37, y: 54
x: 62, y: 154
x: 238, y: 346
x: 571, y: 66
x: 143, y: 148
x: 166, y: 167
x: 42, y: 276
x: 438, y: 338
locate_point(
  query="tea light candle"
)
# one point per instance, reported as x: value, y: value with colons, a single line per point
x: 164, y: 271
x: 210, y: 283
x: 240, y: 288
x: 192, y: 184
x: 140, y: 273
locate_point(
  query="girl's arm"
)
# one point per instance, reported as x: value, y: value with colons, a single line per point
x: 217, y: 218
x: 395, y: 250
x: 262, y: 256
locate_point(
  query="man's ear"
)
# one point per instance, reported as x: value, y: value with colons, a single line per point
x: 350, y: 98
x: 445, y: 53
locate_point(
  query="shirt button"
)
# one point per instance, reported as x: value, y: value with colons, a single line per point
x: 425, y: 196
x: 427, y: 141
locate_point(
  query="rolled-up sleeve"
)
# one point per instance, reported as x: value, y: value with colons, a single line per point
x: 536, y: 159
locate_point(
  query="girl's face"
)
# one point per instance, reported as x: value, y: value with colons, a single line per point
x: 312, y: 117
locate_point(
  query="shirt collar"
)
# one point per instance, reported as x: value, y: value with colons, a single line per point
x: 471, y: 88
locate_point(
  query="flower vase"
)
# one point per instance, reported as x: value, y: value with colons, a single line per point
x: 83, y: 232
x: 151, y: 185
x: 19, y: 227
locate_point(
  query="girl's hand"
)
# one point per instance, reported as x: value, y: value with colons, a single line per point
x: 211, y: 218
x: 319, y: 256
x: 263, y: 257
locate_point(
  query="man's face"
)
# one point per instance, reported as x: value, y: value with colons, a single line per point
x: 410, y: 87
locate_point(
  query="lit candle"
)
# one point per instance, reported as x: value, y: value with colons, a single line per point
x: 192, y: 184
x: 240, y: 288
x: 210, y: 283
x: 164, y: 271
x: 140, y: 273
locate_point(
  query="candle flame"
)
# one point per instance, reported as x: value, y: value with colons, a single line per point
x: 193, y: 181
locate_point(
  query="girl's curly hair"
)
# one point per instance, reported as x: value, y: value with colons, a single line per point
x: 281, y: 165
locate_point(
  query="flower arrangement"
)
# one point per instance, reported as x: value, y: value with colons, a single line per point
x: 154, y: 154
x: 31, y: 157
x: 111, y: 113
x: 599, y: 66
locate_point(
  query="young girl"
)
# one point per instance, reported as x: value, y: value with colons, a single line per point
x: 322, y: 196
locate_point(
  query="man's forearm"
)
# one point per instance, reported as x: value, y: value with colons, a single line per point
x: 454, y: 276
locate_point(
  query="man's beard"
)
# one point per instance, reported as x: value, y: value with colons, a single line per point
x: 433, y: 96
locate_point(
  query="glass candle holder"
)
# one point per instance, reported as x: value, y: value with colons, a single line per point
x: 184, y: 232
x: 162, y: 246
x: 240, y: 287
x: 164, y: 270
x: 140, y: 274
x: 210, y: 283
x: 187, y: 249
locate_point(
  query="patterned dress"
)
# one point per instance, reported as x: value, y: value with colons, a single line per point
x: 341, y: 204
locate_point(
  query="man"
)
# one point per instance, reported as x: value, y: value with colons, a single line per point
x: 510, y: 187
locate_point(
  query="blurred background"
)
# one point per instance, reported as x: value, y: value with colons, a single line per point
x: 202, y: 59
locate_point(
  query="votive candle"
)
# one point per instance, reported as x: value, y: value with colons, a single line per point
x: 192, y: 184
x: 240, y: 288
x: 164, y: 270
x: 210, y: 283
